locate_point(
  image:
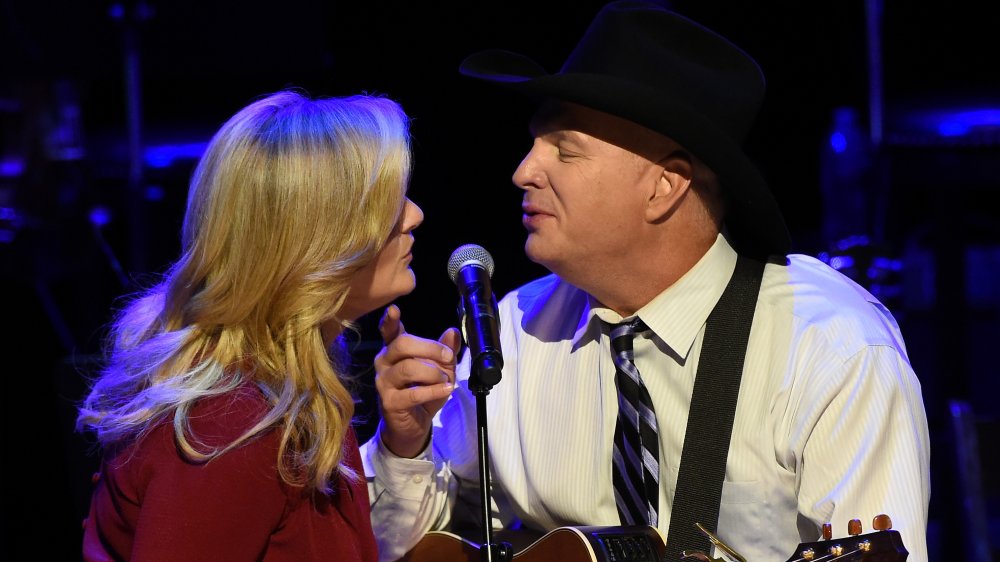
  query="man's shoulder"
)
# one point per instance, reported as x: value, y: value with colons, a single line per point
x: 812, y: 279
x: 544, y: 290
x: 823, y: 298
x: 548, y: 302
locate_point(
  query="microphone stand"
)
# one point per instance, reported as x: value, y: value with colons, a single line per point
x: 478, y: 315
x: 484, y: 374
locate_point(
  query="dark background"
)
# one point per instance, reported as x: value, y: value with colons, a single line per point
x: 104, y: 107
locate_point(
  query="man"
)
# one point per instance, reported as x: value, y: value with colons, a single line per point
x: 640, y: 201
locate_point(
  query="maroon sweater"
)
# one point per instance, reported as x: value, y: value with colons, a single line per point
x: 152, y: 504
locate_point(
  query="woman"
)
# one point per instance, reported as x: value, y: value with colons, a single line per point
x: 224, y: 421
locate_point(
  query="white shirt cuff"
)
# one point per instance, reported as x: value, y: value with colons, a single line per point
x: 401, y: 477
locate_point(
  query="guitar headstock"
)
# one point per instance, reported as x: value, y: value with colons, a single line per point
x: 881, y: 545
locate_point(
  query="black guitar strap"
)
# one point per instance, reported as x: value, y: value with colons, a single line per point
x: 713, y: 406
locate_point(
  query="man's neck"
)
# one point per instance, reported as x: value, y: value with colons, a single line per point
x: 629, y: 290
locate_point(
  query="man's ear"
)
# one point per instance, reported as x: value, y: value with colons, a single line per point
x: 671, y: 185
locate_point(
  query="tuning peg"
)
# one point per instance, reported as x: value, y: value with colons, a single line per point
x: 881, y: 522
x: 827, y: 531
x: 854, y: 527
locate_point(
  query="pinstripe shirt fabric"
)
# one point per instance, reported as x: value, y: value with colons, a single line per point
x: 830, y: 423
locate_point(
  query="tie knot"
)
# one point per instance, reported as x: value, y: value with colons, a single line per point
x: 623, y: 332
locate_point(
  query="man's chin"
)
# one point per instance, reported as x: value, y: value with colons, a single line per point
x: 539, y: 254
x: 532, y: 250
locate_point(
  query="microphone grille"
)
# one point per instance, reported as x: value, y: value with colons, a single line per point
x: 469, y: 254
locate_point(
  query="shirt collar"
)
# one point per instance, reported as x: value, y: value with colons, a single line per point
x: 677, y: 314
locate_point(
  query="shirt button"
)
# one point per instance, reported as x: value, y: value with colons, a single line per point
x: 418, y: 479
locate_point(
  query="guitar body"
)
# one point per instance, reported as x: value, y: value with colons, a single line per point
x: 566, y: 544
x: 440, y: 546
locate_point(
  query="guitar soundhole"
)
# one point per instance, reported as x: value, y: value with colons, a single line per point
x: 627, y: 548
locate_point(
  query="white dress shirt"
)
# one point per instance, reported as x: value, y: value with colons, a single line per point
x: 830, y: 423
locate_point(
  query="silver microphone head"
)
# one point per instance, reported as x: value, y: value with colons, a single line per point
x: 469, y: 254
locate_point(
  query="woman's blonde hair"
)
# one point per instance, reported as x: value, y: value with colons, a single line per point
x: 292, y: 197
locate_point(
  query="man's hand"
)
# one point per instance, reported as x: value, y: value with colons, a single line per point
x: 414, y: 377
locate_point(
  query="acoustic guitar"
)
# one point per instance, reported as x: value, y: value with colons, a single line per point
x: 646, y: 544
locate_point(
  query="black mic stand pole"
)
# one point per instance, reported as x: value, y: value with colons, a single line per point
x: 486, y: 373
x: 131, y: 13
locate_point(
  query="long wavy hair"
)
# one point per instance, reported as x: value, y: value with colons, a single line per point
x: 291, y: 198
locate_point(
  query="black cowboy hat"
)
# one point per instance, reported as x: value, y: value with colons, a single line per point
x: 656, y: 68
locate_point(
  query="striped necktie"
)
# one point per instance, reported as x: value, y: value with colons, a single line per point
x: 636, y: 462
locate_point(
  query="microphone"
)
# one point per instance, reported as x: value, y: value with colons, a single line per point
x: 470, y: 268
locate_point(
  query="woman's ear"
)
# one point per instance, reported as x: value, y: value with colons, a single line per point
x: 672, y: 183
